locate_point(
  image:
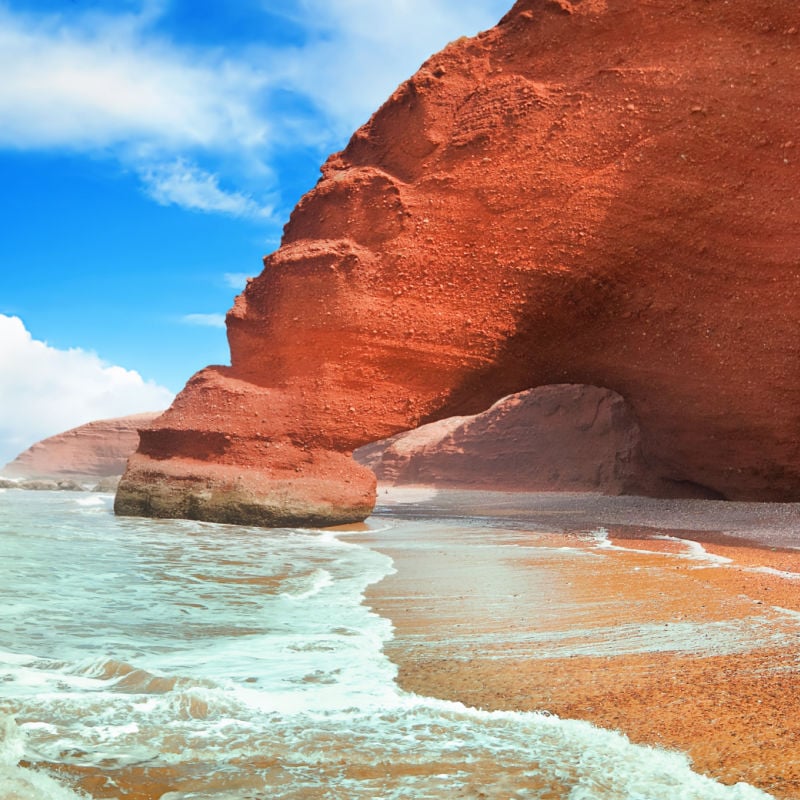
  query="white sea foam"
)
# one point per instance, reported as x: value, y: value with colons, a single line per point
x: 18, y: 783
x: 791, y: 613
x: 691, y: 549
x: 695, y: 551
x: 94, y: 501
x: 599, y: 537
x: 780, y: 573
x: 601, y: 540
x: 307, y: 586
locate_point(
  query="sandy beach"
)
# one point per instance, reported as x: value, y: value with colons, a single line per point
x: 674, y: 622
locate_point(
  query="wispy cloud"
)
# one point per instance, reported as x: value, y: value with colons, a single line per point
x: 358, y: 51
x: 203, y: 125
x: 204, y: 320
x: 105, y: 81
x: 236, y: 280
x: 108, y: 85
x: 182, y: 184
x: 46, y: 390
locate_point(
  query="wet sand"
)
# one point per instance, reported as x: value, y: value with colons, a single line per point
x: 678, y: 624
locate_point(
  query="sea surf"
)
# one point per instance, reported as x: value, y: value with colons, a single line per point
x: 182, y: 660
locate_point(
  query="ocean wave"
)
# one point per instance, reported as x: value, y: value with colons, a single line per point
x: 307, y: 586
x: 21, y: 783
x: 120, y: 676
x: 94, y: 501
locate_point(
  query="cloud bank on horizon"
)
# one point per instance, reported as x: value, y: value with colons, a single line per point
x: 45, y: 390
x: 219, y: 110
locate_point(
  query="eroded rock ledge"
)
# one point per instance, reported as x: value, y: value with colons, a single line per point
x: 599, y: 192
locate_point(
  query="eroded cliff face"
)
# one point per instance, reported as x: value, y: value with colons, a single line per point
x: 98, y: 449
x: 601, y: 192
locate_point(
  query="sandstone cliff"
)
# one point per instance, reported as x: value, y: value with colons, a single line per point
x: 601, y: 192
x: 554, y: 438
x: 96, y: 450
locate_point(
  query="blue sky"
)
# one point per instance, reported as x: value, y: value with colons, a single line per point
x: 151, y: 151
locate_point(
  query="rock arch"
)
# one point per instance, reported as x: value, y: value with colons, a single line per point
x: 602, y: 192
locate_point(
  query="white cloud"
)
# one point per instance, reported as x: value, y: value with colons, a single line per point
x: 360, y: 50
x: 110, y: 84
x: 44, y: 391
x: 98, y: 82
x: 236, y: 280
x: 188, y: 186
x: 205, y: 320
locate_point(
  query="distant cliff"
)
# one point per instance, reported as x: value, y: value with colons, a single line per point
x: 96, y: 450
x: 599, y: 192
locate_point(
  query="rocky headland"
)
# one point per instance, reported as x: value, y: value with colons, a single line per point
x: 95, y: 453
x: 596, y: 192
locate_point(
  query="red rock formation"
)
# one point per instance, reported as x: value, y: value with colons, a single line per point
x: 95, y: 450
x: 554, y: 438
x: 601, y: 192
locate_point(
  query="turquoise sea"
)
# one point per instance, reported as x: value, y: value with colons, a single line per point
x: 172, y: 659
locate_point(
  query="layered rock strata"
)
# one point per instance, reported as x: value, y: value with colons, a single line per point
x: 600, y: 192
x: 554, y: 438
x: 98, y: 449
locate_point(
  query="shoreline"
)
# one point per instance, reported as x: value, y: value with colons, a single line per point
x: 677, y: 626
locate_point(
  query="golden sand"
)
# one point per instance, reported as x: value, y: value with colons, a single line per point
x: 732, y: 704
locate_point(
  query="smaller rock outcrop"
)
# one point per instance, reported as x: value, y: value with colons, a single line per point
x: 93, y: 451
x: 563, y: 437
